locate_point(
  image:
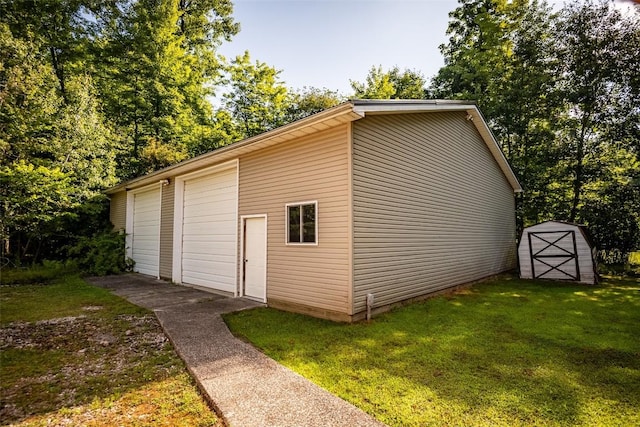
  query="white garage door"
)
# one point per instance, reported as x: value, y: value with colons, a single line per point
x: 209, y: 231
x: 145, y: 244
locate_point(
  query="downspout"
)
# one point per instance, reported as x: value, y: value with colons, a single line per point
x: 369, y: 306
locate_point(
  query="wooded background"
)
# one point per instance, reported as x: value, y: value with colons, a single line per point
x: 95, y: 92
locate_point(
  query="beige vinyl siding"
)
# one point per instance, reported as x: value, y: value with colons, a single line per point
x: 431, y: 207
x: 312, y: 168
x: 118, y: 210
x: 166, y: 230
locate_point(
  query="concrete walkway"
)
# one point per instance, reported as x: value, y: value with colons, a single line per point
x: 246, y: 387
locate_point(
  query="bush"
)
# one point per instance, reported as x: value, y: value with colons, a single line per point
x: 101, y: 254
x: 616, y: 263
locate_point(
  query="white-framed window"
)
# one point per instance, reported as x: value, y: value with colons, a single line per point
x: 302, y: 223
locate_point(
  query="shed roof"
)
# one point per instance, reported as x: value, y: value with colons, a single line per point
x: 584, y: 230
x: 346, y: 112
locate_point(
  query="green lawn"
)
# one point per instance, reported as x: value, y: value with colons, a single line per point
x: 73, y: 354
x: 506, y: 352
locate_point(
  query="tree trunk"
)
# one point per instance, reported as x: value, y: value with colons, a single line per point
x: 577, y: 188
x: 579, y: 169
x: 57, y: 67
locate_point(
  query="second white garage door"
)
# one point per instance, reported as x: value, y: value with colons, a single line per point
x: 209, y: 230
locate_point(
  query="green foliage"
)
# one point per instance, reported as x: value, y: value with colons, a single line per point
x: 502, y: 353
x: 154, y: 84
x: 257, y: 99
x: 392, y: 84
x: 311, y: 100
x: 224, y: 131
x: 561, y: 96
x: 31, y: 196
x: 30, y: 100
x: 58, y: 153
x: 92, y: 92
x: 157, y: 155
x: 30, y: 199
x: 101, y: 254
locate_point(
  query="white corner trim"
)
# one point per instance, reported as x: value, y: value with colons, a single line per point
x: 238, y: 254
x: 160, y: 190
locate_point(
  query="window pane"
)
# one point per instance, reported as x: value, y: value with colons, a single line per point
x: 309, y: 223
x: 294, y: 224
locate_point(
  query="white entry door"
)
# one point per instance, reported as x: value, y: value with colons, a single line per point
x: 255, y: 258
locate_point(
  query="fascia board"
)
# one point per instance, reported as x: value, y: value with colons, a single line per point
x: 478, y: 120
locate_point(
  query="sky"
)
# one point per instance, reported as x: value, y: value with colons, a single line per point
x: 326, y: 43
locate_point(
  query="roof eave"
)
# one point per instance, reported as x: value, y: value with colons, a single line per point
x: 340, y: 113
x: 481, y: 125
x: 348, y: 111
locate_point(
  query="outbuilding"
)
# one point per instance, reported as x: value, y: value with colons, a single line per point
x: 558, y: 250
x: 393, y: 200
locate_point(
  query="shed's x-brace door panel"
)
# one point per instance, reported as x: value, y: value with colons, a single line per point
x: 553, y: 255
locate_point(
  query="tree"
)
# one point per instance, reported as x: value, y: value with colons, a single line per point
x: 158, y: 67
x: 30, y: 198
x: 611, y: 205
x: 60, y: 30
x: 561, y: 94
x: 57, y: 154
x: 258, y: 99
x: 598, y: 57
x: 311, y: 100
x: 393, y: 84
x: 28, y: 99
x: 90, y: 88
x: 479, y: 43
x: 500, y: 55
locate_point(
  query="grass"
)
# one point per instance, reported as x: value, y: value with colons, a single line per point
x: 506, y: 352
x: 74, y: 354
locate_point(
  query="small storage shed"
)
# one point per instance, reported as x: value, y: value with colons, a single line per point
x: 558, y: 250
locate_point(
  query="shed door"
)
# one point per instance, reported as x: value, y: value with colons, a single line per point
x: 209, y: 231
x: 145, y: 244
x: 554, y: 255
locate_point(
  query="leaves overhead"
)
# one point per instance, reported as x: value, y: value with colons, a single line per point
x: 392, y: 84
